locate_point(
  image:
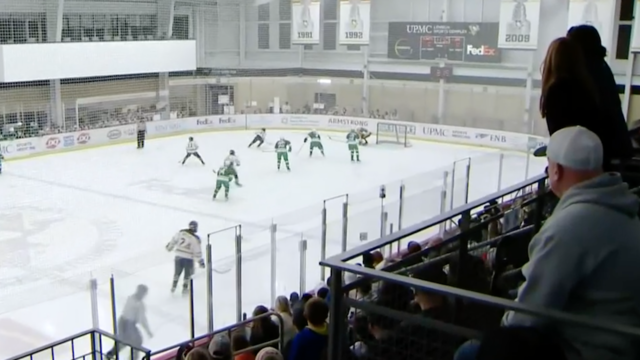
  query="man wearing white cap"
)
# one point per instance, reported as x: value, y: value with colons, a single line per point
x: 584, y: 260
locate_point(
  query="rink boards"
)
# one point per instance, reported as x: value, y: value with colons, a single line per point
x: 49, y: 144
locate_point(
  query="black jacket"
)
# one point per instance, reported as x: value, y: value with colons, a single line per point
x: 569, y: 103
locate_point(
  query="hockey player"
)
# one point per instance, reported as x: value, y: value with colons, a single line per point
x: 364, y: 135
x: 133, y: 314
x: 224, y: 177
x: 316, y: 142
x: 231, y: 162
x: 186, y: 244
x: 1, y: 158
x: 283, y: 148
x: 352, y: 141
x: 192, y: 149
x: 259, y: 138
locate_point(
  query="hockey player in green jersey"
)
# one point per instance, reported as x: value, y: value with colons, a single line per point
x: 283, y: 148
x: 316, y: 142
x: 364, y: 135
x: 352, y: 141
x: 223, y: 180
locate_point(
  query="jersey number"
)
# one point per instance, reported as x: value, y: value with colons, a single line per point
x: 184, y: 244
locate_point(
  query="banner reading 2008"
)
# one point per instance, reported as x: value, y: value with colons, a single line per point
x: 519, y: 24
x: 355, y: 22
x: 305, y: 24
x: 597, y: 13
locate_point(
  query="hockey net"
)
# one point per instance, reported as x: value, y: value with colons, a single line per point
x: 391, y: 133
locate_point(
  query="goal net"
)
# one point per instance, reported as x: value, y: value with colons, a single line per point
x: 391, y: 133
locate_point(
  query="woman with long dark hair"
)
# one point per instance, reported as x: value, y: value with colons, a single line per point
x: 569, y: 96
x: 263, y: 329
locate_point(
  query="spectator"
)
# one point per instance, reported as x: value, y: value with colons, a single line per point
x: 269, y: 354
x: 569, y: 96
x: 198, y: 353
x: 413, y: 248
x: 282, y: 308
x: 584, y: 259
x: 311, y: 342
x: 262, y: 330
x: 220, y: 347
x: 294, y: 297
x: 240, y: 342
x: 323, y: 293
x: 299, y: 320
x: 367, y: 260
x: 614, y: 125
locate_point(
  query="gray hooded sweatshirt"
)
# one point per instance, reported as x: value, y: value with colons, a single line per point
x: 586, y: 261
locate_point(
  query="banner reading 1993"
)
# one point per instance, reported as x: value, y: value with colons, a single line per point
x: 519, y: 24
x: 355, y: 22
x: 305, y: 24
x: 597, y: 13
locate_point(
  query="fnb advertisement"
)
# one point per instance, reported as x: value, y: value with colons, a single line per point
x: 466, y: 42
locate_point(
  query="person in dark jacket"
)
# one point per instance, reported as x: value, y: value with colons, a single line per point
x: 588, y: 39
x: 568, y: 95
x: 263, y: 329
x: 311, y: 342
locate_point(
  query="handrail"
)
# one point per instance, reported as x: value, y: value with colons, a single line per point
x: 71, y: 338
x: 228, y: 329
x: 413, y: 229
x: 484, y: 299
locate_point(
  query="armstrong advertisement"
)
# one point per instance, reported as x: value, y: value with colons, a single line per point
x: 466, y: 42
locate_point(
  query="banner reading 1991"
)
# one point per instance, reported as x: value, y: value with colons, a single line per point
x: 597, y: 13
x: 355, y: 22
x: 519, y: 24
x: 305, y: 24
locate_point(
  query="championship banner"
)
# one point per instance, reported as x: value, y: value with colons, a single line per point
x: 305, y: 25
x: 597, y: 13
x: 635, y: 36
x: 467, y: 42
x: 519, y: 24
x: 355, y: 22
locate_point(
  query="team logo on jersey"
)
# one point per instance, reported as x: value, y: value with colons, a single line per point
x: 52, y: 143
x: 34, y: 248
x: 83, y: 138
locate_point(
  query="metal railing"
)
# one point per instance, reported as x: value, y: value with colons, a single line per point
x: 455, y: 329
x: 89, y: 344
x: 169, y: 352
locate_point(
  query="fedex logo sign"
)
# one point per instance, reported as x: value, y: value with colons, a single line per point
x: 483, y: 50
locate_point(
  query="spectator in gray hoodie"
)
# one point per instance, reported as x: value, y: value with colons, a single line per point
x: 585, y: 259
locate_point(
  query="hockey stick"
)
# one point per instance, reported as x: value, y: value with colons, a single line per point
x: 336, y: 139
x: 299, y: 150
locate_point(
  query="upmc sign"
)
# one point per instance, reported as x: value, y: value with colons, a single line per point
x: 454, y: 41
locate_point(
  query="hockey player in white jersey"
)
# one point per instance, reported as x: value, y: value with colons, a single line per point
x: 192, y: 149
x: 186, y: 244
x: 232, y: 162
x: 259, y: 138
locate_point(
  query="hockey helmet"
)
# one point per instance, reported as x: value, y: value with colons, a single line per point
x: 281, y: 137
x: 263, y: 129
x: 190, y: 138
x: 232, y: 152
x: 193, y: 225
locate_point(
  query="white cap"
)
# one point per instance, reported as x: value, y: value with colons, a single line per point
x: 575, y: 147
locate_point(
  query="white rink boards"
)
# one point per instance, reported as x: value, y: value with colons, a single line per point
x: 111, y: 210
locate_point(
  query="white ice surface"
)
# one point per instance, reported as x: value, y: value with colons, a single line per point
x: 110, y: 211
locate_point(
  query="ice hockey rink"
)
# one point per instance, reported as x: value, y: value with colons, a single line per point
x: 110, y: 211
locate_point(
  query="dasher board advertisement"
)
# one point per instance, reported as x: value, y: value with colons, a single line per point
x: 305, y: 27
x: 597, y: 13
x: 635, y: 37
x: 355, y: 22
x: 519, y: 24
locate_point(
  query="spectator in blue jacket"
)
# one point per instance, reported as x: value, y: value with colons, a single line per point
x: 311, y: 342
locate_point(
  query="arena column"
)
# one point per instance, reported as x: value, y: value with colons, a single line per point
x: 54, y: 14
x: 166, y: 12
